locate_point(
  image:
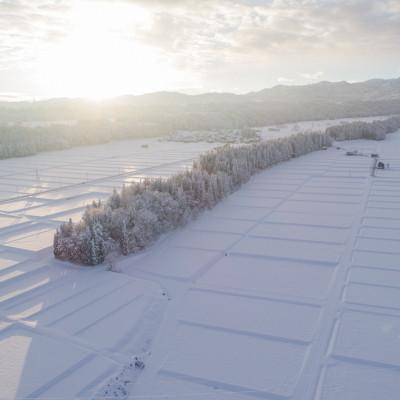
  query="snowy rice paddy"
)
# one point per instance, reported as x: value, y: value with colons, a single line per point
x: 289, y: 289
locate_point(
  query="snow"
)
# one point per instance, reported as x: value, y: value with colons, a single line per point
x: 7, y: 221
x: 78, y: 202
x: 239, y: 213
x: 181, y: 263
x: 375, y: 244
x: 373, y: 276
x: 34, y: 243
x: 221, y: 358
x: 295, y: 127
x: 338, y: 208
x: 250, y: 315
x: 318, y: 220
x: 261, y: 276
x: 349, y: 381
x: 309, y: 233
x: 288, y: 289
x: 21, y: 205
x: 204, y: 240
x: 251, y: 201
x: 376, y: 296
x: 264, y: 132
x: 214, y: 224
x: 8, y: 260
x: 378, y: 342
x: 375, y: 259
x: 29, y: 366
x: 310, y: 251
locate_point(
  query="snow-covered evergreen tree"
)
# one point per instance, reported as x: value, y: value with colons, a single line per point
x: 375, y: 130
x: 137, y: 215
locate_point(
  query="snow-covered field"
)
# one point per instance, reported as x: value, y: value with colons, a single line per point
x: 304, y: 126
x: 266, y: 132
x: 290, y: 288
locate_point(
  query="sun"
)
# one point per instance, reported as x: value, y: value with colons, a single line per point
x: 100, y: 56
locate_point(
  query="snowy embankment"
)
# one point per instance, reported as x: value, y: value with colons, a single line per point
x: 129, y: 221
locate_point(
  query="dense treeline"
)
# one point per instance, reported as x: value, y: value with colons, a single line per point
x: 21, y: 140
x: 18, y: 140
x: 244, y: 135
x: 137, y: 215
x: 376, y: 130
x: 161, y: 115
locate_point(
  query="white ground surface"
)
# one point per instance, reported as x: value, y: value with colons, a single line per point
x: 288, y: 289
x: 296, y: 127
x: 268, y: 132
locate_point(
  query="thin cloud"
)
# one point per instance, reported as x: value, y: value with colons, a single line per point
x: 279, y: 37
x: 284, y: 81
x: 312, y: 76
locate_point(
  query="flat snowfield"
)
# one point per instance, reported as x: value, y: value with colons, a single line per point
x: 288, y: 289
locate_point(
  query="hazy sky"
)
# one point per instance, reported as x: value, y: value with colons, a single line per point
x: 101, y: 48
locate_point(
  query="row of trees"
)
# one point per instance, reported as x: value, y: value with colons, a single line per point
x: 162, y: 114
x: 242, y: 135
x: 137, y: 215
x: 21, y: 140
x: 375, y: 130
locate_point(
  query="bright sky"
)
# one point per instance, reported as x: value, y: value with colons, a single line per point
x: 98, y: 48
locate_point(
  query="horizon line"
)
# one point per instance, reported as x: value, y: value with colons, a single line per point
x: 23, y: 98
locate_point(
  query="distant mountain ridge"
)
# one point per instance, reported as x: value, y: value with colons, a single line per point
x: 370, y: 90
x: 163, y: 112
x: 374, y: 89
x: 30, y: 127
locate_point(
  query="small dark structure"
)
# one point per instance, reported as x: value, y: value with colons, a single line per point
x: 374, y: 155
x: 380, y: 165
x: 139, y: 364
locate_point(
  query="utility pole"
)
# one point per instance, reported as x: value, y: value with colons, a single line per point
x: 374, y: 166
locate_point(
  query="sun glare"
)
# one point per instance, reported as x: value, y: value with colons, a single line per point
x: 100, y: 57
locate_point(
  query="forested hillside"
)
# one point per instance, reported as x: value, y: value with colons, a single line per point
x: 30, y: 127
